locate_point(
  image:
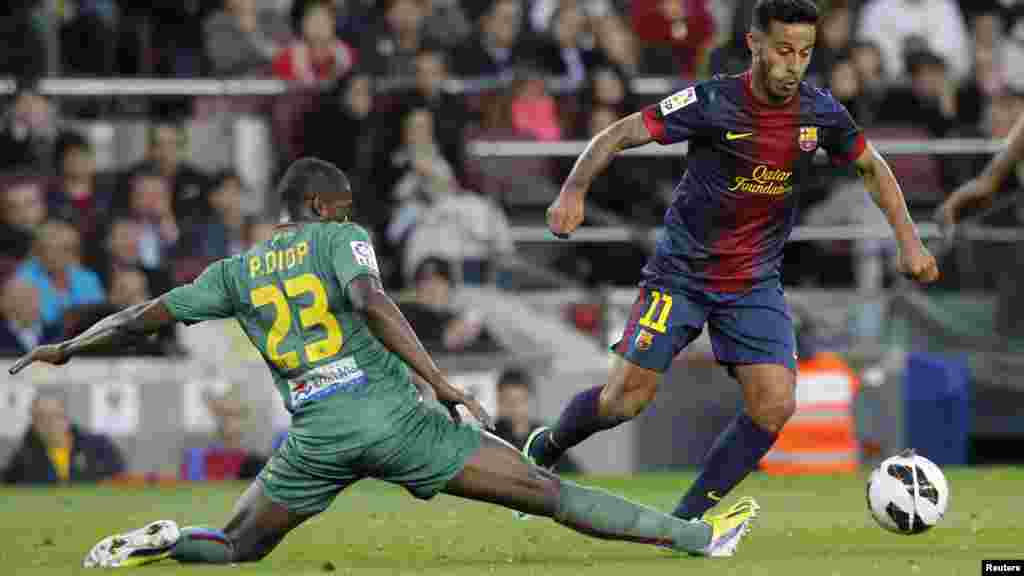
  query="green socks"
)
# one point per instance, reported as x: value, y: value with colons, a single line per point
x: 603, y: 515
x: 203, y: 545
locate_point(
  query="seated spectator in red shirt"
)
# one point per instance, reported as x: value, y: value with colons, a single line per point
x: 320, y: 55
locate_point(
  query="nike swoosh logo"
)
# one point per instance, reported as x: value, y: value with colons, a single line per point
x: 737, y: 136
x: 713, y: 496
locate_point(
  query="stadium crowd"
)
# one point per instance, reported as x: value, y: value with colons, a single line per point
x: 393, y: 91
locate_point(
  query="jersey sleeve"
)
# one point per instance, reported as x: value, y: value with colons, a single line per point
x: 208, y: 297
x: 352, y: 254
x: 677, y: 117
x: 844, y: 141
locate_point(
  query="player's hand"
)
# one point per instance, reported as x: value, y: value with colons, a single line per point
x: 566, y: 213
x: 918, y: 263
x: 48, y: 353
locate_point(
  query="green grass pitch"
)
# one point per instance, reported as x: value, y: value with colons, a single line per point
x: 808, y: 526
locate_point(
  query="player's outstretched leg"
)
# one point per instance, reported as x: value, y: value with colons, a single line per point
x: 629, y: 390
x: 769, y: 397
x: 498, y: 474
x: 257, y: 526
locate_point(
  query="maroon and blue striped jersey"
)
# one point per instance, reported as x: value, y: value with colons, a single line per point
x: 736, y: 205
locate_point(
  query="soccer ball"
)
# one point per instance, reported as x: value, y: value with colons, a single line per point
x: 907, y: 493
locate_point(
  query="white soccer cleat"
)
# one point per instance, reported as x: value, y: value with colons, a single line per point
x: 151, y: 543
x: 729, y: 528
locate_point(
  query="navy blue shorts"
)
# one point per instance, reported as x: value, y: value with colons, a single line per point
x: 745, y: 328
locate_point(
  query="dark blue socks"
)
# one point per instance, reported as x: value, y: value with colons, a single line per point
x: 734, y: 454
x: 580, y: 419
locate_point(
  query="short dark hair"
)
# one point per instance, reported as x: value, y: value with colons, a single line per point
x: 306, y: 176
x: 515, y: 377
x: 785, y: 11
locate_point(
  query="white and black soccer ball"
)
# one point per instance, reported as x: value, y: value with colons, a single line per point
x: 907, y: 493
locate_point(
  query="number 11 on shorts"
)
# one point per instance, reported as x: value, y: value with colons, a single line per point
x: 661, y: 325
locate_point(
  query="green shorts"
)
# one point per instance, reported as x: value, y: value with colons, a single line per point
x: 424, y: 452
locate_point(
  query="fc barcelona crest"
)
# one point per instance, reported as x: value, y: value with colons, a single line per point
x: 808, y: 138
x: 644, y: 340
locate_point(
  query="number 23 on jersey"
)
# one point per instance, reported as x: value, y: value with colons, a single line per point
x: 316, y: 314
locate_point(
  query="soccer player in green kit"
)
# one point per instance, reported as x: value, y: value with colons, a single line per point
x: 340, y: 351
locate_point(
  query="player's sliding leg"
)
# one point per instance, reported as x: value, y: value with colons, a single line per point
x: 629, y: 390
x: 769, y: 397
x: 257, y: 526
x: 497, y: 473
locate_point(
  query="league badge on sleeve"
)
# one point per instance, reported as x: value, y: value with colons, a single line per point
x: 363, y: 253
x: 808, y: 138
x: 678, y: 100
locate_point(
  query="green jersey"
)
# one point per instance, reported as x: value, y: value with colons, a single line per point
x: 289, y: 295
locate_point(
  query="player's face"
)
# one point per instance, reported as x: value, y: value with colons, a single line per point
x: 781, y: 56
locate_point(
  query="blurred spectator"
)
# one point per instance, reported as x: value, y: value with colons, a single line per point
x: 835, y: 32
x: 683, y: 28
x: 449, y: 110
x: 24, y: 53
x: 55, y: 451
x: 225, y: 458
x: 845, y: 85
x: 55, y: 270
x: 88, y: 39
x: 21, y: 325
x: 985, y: 80
x: 425, y: 177
x: 79, y: 195
x: 934, y: 25
x: 319, y: 55
x: 176, y: 37
x: 542, y: 12
x: 867, y: 59
x: 432, y: 314
x: 617, y: 44
x: 534, y: 110
x: 445, y: 22
x: 352, y: 18
x: 221, y: 234
x: 466, y: 229
x: 512, y: 421
x: 495, y: 48
x: 27, y: 132
x: 339, y: 131
x: 120, y: 248
x: 733, y: 56
x: 560, y: 54
x: 392, y: 50
x: 22, y: 211
x: 930, y: 100
x: 240, y: 39
x: 188, y: 184
x: 150, y: 206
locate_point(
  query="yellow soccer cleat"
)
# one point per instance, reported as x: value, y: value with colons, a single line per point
x: 729, y: 528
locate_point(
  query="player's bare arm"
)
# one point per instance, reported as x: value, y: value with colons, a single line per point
x: 388, y: 324
x: 977, y: 193
x: 915, y: 260
x: 566, y: 213
x: 112, y: 332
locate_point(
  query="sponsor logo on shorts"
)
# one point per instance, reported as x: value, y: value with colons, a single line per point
x: 644, y: 339
x: 341, y: 376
